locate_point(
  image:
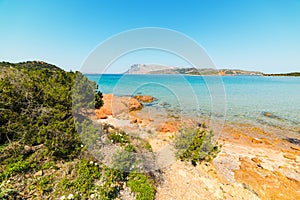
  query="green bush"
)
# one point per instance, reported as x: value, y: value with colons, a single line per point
x: 36, y: 105
x: 196, y: 145
x: 142, y: 186
x: 17, y: 166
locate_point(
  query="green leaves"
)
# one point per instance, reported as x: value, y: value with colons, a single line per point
x: 36, y: 105
x: 195, y: 145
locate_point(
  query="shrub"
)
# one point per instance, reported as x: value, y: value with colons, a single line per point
x: 195, y: 145
x: 142, y: 186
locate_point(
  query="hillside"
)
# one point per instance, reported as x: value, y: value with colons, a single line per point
x: 159, y: 69
x: 30, y: 65
x: 42, y: 155
x: 284, y: 74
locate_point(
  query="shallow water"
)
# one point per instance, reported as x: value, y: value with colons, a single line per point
x: 263, y: 101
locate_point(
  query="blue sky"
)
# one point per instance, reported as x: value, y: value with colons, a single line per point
x: 259, y: 35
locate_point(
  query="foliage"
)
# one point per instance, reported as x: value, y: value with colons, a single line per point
x: 195, y: 145
x: 36, y: 106
x: 42, y: 110
x: 87, y: 179
x: 142, y: 186
x: 120, y: 137
x: 18, y: 165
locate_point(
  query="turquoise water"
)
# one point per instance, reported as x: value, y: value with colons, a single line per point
x: 242, y: 99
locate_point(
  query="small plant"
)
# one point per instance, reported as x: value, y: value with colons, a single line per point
x: 119, y: 137
x: 195, y: 145
x: 125, y: 161
x: 44, y: 184
x: 142, y: 186
x: 15, y: 167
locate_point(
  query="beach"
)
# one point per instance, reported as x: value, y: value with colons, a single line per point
x: 254, y: 162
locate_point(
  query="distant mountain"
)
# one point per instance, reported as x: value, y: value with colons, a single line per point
x: 146, y: 69
x: 160, y: 69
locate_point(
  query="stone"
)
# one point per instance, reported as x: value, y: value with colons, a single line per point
x: 256, y: 141
x: 100, y: 114
x: 145, y: 99
x: 39, y: 173
x: 295, y: 148
x: 256, y: 160
x: 168, y: 127
x: 290, y: 156
x: 134, y: 104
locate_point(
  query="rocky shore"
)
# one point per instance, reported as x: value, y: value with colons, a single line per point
x: 254, y: 163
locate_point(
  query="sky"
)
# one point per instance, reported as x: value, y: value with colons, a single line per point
x: 262, y: 35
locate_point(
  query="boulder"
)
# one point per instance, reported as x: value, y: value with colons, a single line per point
x: 256, y: 141
x: 168, y: 127
x: 145, y: 99
x: 114, y: 105
x: 100, y: 114
x: 134, y: 104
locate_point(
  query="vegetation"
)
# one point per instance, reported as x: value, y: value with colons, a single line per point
x: 45, y: 131
x: 284, y: 74
x: 142, y: 186
x: 41, y: 152
x: 196, y: 145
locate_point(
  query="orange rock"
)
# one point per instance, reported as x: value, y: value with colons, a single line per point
x: 107, y: 100
x: 266, y: 184
x: 256, y: 160
x: 266, y: 141
x: 290, y: 156
x: 100, y: 114
x: 295, y: 148
x: 146, y: 99
x: 256, y: 141
x: 134, y: 104
x: 168, y: 127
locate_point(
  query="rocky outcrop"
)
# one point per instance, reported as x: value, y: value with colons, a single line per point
x: 168, y: 127
x: 115, y: 105
x: 133, y: 104
x: 145, y: 99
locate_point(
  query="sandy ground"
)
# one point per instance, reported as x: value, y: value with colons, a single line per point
x: 253, y: 163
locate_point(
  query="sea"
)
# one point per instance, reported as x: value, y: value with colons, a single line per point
x: 263, y: 101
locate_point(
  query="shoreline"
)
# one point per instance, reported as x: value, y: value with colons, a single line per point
x: 249, y: 155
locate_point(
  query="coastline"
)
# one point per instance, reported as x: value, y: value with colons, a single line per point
x: 249, y: 155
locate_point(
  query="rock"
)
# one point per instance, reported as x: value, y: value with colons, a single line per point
x: 110, y: 130
x: 256, y: 141
x: 134, y: 104
x: 106, y: 109
x: 100, y: 114
x: 270, y: 115
x: 39, y: 173
x: 256, y: 160
x: 134, y: 121
x: 145, y: 99
x: 27, y: 148
x: 290, y: 156
x: 295, y: 148
x: 168, y: 127
x: 114, y: 105
x: 31, y: 149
